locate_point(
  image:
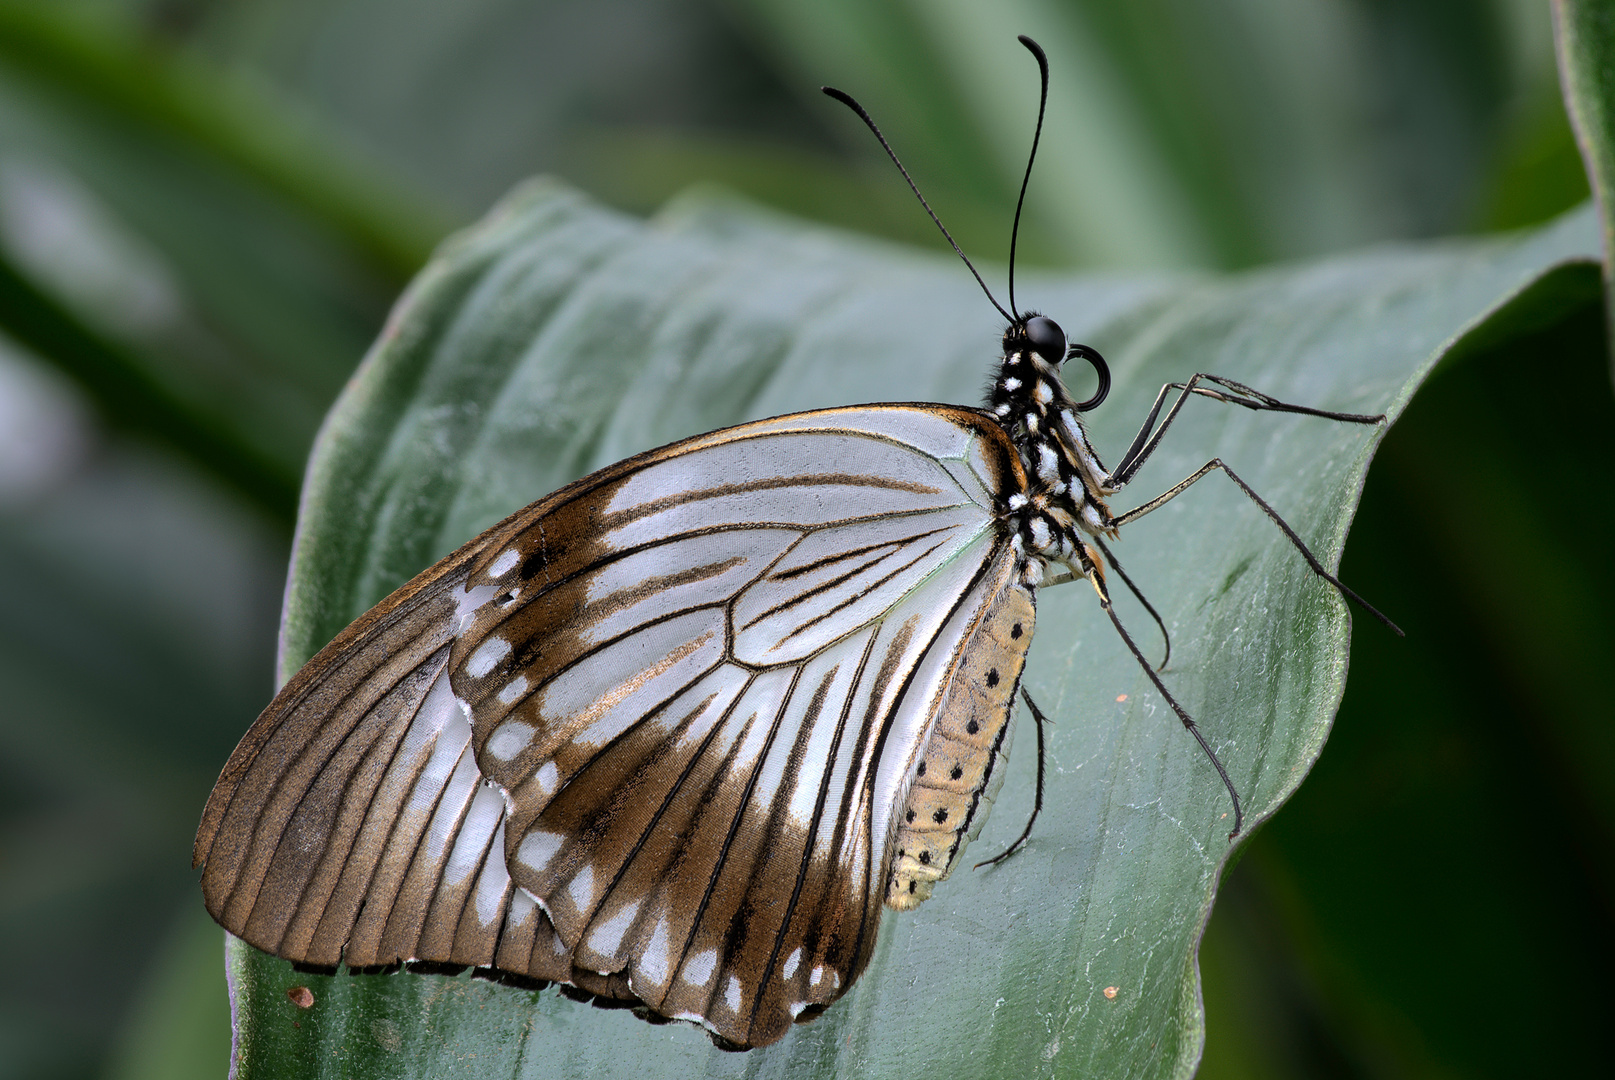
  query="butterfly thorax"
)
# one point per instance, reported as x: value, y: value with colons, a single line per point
x: 1067, y: 483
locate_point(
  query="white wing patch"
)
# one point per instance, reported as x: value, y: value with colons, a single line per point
x: 698, y: 972
x: 838, y: 579
x: 537, y: 849
x: 509, y: 739
x: 487, y: 655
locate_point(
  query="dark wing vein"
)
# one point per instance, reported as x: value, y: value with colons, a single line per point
x: 813, y: 826
x: 853, y: 598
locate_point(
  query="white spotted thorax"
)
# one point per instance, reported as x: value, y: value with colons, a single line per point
x: 1067, y: 482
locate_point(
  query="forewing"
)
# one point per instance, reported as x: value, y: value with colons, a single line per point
x: 648, y: 735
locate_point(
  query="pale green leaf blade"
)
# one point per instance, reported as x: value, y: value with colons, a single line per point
x: 557, y: 337
x: 1584, y: 33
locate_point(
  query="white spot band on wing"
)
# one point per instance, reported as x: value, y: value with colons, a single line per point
x: 538, y: 848
x: 489, y: 653
x: 506, y: 562
x: 607, y: 936
x: 698, y: 971
x: 509, y: 739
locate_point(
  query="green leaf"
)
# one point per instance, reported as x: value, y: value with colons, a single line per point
x: 1584, y: 32
x: 557, y: 337
x: 1373, y: 921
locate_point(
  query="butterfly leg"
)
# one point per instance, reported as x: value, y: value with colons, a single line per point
x: 1039, y: 720
x: 1312, y: 560
x: 1183, y: 715
x: 1072, y: 575
x: 1149, y: 607
x: 1232, y: 393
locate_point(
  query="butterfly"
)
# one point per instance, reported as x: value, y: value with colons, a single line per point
x: 674, y: 735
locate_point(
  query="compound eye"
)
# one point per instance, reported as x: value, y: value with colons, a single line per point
x: 1046, y: 338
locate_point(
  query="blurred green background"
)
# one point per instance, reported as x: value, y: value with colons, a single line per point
x: 206, y: 207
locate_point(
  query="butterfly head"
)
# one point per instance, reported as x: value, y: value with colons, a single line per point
x: 1036, y: 333
x: 1037, y: 341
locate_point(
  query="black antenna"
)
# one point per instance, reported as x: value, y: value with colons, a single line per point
x: 1042, y: 103
x: 847, y: 100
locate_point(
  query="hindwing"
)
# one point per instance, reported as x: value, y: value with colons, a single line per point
x: 652, y: 736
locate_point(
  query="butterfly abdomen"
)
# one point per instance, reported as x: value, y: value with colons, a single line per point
x: 961, y: 764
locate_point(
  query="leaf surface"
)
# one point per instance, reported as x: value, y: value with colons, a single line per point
x: 556, y: 337
x: 1584, y: 34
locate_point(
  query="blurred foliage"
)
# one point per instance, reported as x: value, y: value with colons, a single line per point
x: 1436, y: 898
x: 207, y: 205
x: 1584, y: 38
